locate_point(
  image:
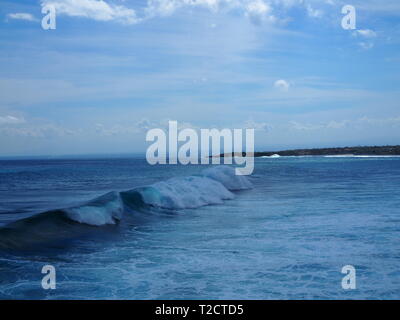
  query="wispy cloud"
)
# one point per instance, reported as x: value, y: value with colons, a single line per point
x: 39, y: 131
x: 366, y: 33
x: 256, y: 125
x: 314, y: 13
x: 366, y: 45
x: 11, y: 120
x: 334, y: 124
x: 21, y: 16
x: 368, y: 36
x: 18, y: 126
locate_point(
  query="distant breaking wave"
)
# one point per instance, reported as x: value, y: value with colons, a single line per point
x: 213, y: 186
x: 273, y: 156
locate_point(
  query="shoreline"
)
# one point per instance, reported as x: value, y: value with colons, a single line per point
x: 332, y: 152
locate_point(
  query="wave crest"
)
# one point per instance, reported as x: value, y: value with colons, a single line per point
x: 106, y: 209
x: 181, y: 193
x: 226, y: 175
x: 213, y: 186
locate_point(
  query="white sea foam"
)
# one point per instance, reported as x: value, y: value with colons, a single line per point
x: 106, y: 209
x: 226, y: 176
x: 212, y: 187
x: 273, y: 156
x: 185, y: 192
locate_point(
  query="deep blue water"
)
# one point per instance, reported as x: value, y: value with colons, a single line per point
x: 286, y: 238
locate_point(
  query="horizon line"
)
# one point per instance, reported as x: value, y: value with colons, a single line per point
x: 130, y: 154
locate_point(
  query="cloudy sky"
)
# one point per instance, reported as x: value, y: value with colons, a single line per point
x: 113, y: 69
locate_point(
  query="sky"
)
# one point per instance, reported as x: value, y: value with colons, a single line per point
x: 113, y: 69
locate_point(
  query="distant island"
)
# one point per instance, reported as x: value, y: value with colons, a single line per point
x: 358, y: 151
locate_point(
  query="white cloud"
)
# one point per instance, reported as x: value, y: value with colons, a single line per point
x: 366, y: 45
x: 94, y: 9
x: 140, y: 126
x: 394, y: 121
x: 116, y: 129
x: 314, y: 13
x: 18, y: 126
x: 257, y: 126
x: 11, y: 120
x: 337, y: 124
x: 366, y: 33
x: 368, y: 36
x: 282, y: 85
x: 356, y: 123
x: 305, y: 126
x: 105, y: 10
x: 145, y: 125
x: 108, y: 10
x: 258, y: 10
x: 168, y: 7
x: 37, y: 131
x: 21, y: 16
x: 254, y: 9
x: 258, y: 7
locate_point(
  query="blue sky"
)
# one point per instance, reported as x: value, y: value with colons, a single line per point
x: 113, y: 69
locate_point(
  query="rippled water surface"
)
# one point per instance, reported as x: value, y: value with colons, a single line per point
x: 286, y: 238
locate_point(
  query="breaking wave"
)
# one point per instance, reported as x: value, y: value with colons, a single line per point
x: 213, y: 186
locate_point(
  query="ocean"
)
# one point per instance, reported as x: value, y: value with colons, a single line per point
x: 122, y: 229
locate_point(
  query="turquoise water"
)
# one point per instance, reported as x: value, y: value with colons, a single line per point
x: 287, y: 237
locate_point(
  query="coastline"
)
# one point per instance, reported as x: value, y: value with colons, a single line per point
x: 342, y: 151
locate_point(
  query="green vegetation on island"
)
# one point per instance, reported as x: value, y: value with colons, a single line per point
x: 357, y: 151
